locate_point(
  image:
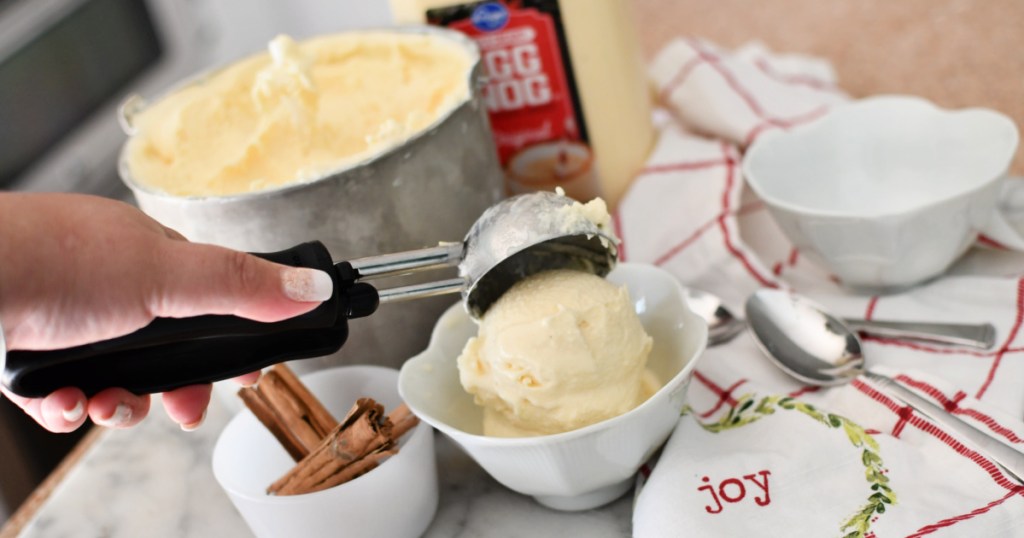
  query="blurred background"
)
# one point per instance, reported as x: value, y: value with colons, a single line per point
x: 66, y: 65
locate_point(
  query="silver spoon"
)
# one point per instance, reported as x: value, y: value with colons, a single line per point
x: 819, y: 349
x: 723, y: 326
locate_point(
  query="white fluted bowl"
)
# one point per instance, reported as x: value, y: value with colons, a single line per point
x: 885, y: 192
x: 583, y: 468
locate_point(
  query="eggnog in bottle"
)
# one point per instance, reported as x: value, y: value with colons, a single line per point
x: 566, y: 88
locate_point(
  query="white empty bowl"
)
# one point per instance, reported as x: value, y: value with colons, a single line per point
x: 583, y: 468
x: 397, y: 499
x: 885, y: 192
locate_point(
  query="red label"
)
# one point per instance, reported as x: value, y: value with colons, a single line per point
x: 527, y: 94
x: 530, y: 93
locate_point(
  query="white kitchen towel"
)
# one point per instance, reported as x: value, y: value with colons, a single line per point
x: 758, y: 454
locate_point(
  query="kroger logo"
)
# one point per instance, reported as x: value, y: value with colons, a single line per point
x: 490, y: 16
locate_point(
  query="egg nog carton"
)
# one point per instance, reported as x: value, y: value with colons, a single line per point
x: 566, y: 91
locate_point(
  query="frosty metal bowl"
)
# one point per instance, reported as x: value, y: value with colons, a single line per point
x: 428, y: 189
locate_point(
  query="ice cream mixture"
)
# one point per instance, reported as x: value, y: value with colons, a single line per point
x: 560, y: 350
x: 297, y: 112
x: 573, y: 217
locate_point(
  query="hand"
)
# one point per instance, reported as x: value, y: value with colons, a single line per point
x: 76, y: 269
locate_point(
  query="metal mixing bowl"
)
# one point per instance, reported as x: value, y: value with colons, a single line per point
x: 431, y: 188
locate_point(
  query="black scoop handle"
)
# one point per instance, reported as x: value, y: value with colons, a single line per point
x: 175, y: 352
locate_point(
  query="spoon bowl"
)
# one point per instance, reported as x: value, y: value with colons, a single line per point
x: 723, y: 325
x: 803, y: 340
x: 817, y: 348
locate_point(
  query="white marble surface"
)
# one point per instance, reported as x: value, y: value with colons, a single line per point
x: 156, y: 481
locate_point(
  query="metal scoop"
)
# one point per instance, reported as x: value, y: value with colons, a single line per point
x: 513, y: 239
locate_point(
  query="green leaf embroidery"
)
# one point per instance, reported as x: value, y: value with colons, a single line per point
x: 749, y: 409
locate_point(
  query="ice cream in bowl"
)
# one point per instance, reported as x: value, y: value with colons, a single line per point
x: 566, y: 385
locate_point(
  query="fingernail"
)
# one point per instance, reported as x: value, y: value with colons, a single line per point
x: 75, y: 413
x: 307, y: 285
x: 246, y: 382
x: 191, y: 427
x: 120, y: 418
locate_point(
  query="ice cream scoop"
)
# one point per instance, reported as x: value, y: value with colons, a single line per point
x: 515, y: 238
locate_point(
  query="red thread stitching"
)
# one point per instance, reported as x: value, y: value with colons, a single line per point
x: 987, y: 420
x: 928, y: 529
x: 724, y: 395
x: 988, y: 241
x: 952, y: 406
x: 715, y: 62
x: 796, y: 80
x: 677, y: 80
x: 870, y: 311
x: 930, y: 429
x: 904, y: 413
x: 700, y: 231
x: 679, y: 247
x: 756, y: 132
x: 794, y: 255
x: 726, y: 236
x: 783, y: 123
x: 744, y: 94
x: 1009, y: 339
x: 940, y: 351
x: 683, y: 166
x: 928, y: 389
x: 790, y: 261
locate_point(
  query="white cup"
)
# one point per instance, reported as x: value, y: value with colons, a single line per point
x: 397, y: 499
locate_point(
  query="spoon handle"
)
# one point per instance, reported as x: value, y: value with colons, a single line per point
x: 981, y: 336
x: 1007, y: 458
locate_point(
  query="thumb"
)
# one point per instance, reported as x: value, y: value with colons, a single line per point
x: 199, y: 279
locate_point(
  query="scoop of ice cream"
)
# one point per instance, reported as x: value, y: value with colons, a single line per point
x: 559, y: 351
x: 296, y: 113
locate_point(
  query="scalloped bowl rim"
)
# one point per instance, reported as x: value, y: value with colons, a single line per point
x: 483, y: 440
x: 1001, y: 129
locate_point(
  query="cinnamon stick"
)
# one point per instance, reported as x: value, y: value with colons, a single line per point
x: 403, y: 420
x: 327, y: 452
x: 286, y: 407
x: 365, y: 430
x: 265, y: 414
x: 356, y: 469
x: 320, y: 419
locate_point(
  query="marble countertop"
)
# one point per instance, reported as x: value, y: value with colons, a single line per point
x: 156, y: 481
